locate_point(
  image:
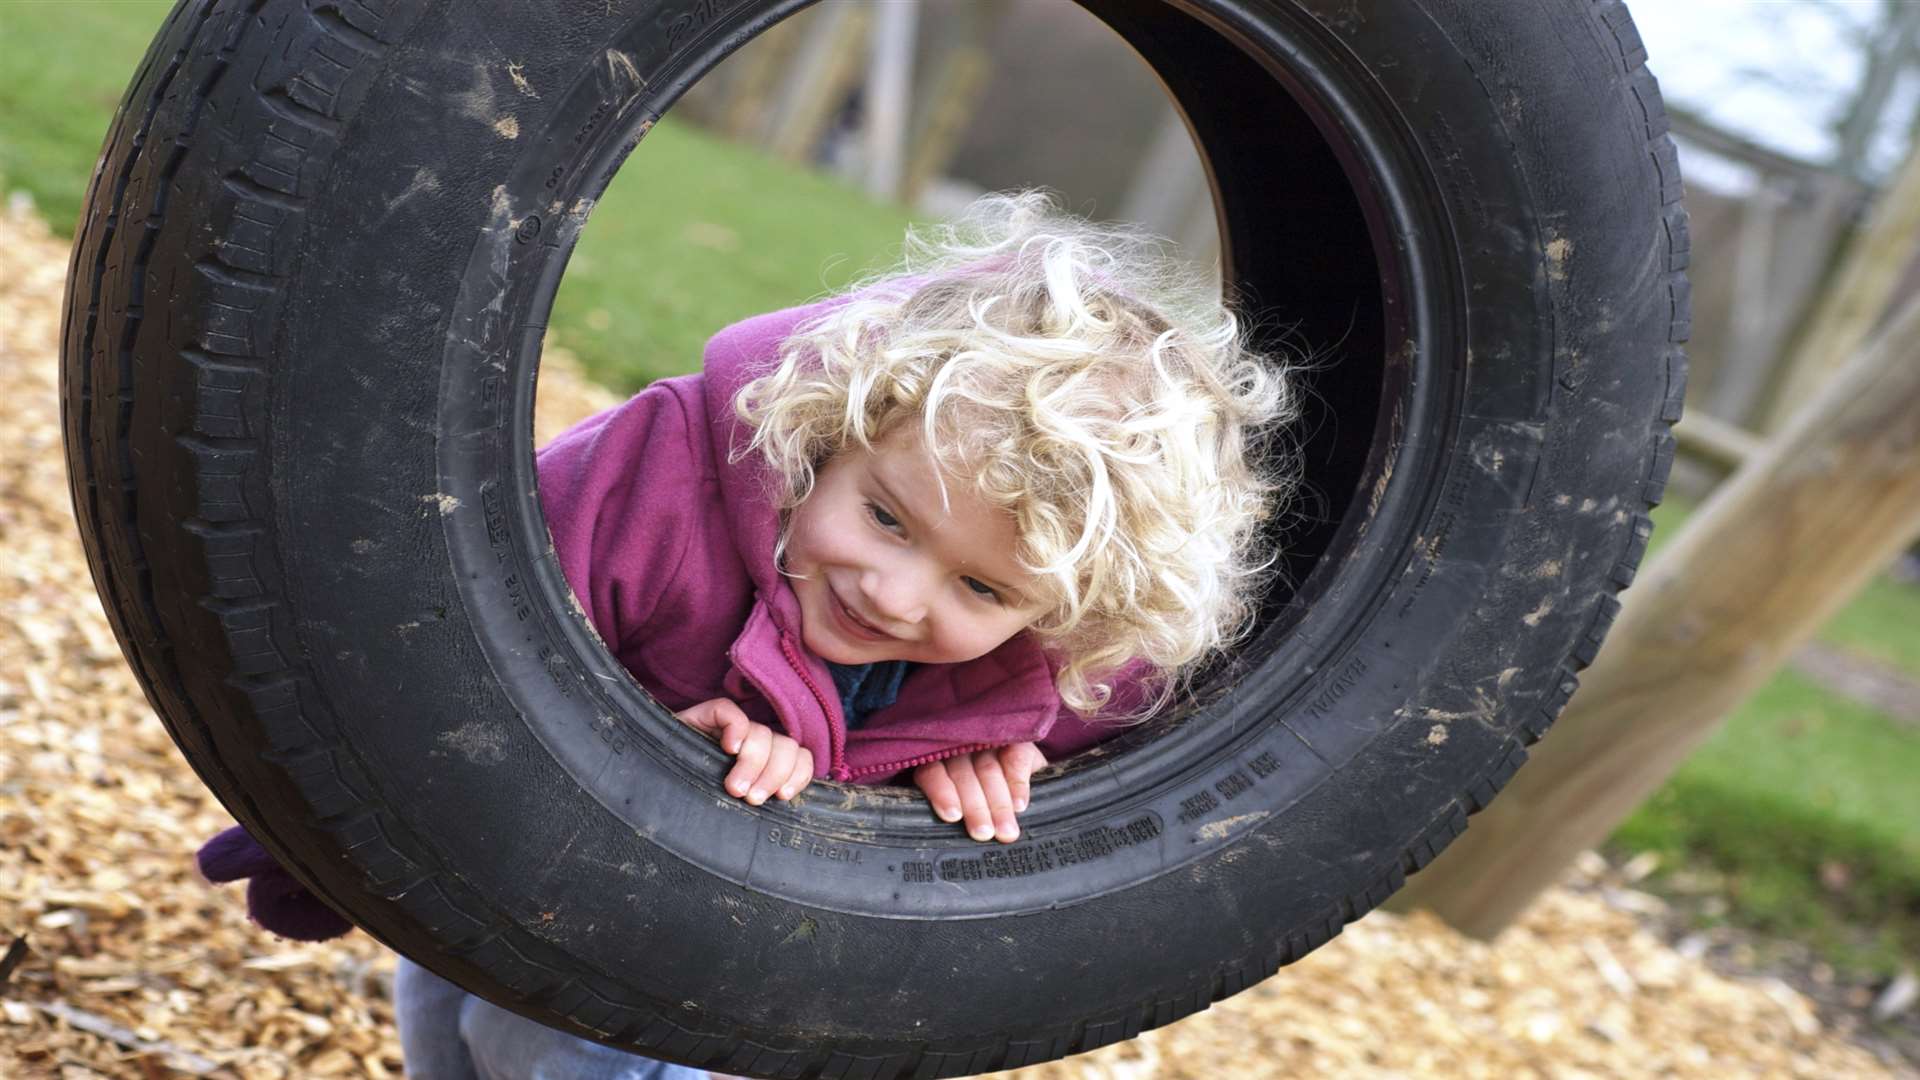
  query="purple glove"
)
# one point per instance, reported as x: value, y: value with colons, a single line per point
x: 275, y: 899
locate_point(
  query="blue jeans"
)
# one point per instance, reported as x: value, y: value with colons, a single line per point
x: 448, y: 1034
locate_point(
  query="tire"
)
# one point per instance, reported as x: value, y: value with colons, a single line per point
x: 301, y: 341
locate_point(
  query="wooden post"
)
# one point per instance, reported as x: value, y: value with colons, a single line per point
x: 1764, y: 562
x: 889, y: 97
x: 949, y: 98
x: 945, y: 112
x: 1859, y: 294
x: 749, y: 96
x: 1811, y: 231
x: 1753, y: 314
x: 1168, y: 179
x: 818, y: 80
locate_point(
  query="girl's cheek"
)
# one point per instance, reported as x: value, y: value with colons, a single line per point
x: 804, y: 548
x: 978, y: 638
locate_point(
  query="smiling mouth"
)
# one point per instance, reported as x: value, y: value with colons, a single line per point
x: 846, y: 612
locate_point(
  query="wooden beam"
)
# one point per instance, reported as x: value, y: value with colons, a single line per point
x: 1857, y: 297
x: 1707, y: 135
x: 1776, y: 550
x: 818, y: 79
x: 1726, y: 445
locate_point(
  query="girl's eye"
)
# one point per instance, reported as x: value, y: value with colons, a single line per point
x: 886, y: 520
x: 981, y: 588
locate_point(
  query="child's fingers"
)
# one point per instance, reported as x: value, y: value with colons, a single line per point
x: 938, y: 787
x: 751, y: 759
x: 1020, y: 761
x: 1020, y: 791
x: 800, y: 777
x: 719, y: 719
x: 773, y: 775
x: 973, y: 801
x: 698, y: 717
x: 998, y: 795
x: 730, y: 724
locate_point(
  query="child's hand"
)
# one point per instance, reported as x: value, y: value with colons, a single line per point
x: 988, y: 787
x: 765, y: 763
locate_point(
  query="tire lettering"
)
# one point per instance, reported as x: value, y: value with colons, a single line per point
x: 1196, y: 806
x: 688, y: 24
x: 1234, y: 785
x: 609, y: 731
x: 1349, y: 676
x: 1201, y: 802
x: 1458, y: 178
x: 1025, y: 860
x: 818, y: 847
x: 1436, y: 542
x: 591, y: 123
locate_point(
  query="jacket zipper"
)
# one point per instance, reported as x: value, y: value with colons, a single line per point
x: 921, y: 760
x: 836, y: 739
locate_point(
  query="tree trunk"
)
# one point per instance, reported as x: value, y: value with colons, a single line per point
x: 1771, y: 556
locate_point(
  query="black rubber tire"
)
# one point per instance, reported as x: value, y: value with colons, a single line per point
x: 302, y: 331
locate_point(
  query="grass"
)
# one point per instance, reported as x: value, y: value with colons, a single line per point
x: 693, y: 234
x: 1805, y: 806
x: 688, y: 239
x: 62, y: 72
x: 1882, y: 622
x: 1803, y: 803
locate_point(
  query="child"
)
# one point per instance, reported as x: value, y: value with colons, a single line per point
x: 924, y: 527
x: 947, y: 527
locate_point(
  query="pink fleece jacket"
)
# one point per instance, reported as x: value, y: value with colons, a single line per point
x: 669, y: 546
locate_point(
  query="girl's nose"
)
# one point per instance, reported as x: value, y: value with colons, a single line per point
x: 897, y: 594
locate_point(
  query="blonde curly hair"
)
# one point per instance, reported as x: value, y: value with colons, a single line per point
x: 1082, y: 379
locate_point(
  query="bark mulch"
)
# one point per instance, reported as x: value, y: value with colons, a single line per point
x: 120, y: 961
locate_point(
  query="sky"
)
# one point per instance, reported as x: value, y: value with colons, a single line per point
x: 1779, y: 72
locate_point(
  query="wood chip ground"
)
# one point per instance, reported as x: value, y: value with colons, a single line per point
x: 134, y: 967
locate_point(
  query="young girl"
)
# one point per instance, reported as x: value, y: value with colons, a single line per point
x: 958, y: 522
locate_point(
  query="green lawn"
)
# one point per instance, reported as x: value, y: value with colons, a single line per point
x: 1797, y: 786
x: 62, y: 71
x: 1798, y: 779
x: 693, y: 234
x: 1884, y: 622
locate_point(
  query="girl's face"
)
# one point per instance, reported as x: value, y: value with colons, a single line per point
x: 885, y: 571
